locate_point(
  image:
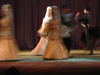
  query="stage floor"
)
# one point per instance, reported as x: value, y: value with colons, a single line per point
x: 81, y: 63
x: 78, y: 55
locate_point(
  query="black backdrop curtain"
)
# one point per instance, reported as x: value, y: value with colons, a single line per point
x: 28, y: 15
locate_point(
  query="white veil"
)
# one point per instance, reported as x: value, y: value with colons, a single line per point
x: 48, y: 11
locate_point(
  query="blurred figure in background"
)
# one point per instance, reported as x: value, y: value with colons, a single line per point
x: 67, y: 19
x: 8, y: 45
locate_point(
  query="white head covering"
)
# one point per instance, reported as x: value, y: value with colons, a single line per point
x: 54, y: 11
x: 48, y: 11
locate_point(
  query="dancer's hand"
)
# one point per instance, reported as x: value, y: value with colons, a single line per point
x: 77, y: 15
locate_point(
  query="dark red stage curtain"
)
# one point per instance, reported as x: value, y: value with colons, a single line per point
x: 28, y: 15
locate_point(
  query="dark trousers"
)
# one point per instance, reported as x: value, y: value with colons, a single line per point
x: 88, y: 40
x: 68, y: 41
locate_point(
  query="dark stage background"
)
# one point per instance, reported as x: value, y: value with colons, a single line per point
x: 28, y: 15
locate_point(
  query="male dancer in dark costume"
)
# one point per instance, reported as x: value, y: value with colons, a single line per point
x: 67, y: 19
x: 86, y: 36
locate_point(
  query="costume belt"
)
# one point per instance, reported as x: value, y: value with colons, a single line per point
x: 84, y: 25
x: 3, y: 34
x: 53, y: 28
